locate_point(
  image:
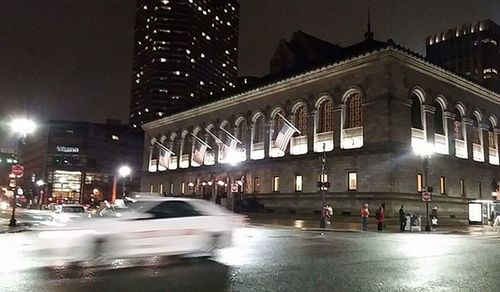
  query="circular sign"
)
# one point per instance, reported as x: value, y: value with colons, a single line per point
x: 17, y: 169
x: 234, y: 188
x: 426, y: 196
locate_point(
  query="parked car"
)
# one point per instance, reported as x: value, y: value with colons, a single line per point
x: 146, y: 227
x: 68, y: 213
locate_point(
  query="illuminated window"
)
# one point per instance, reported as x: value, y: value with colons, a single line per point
x: 442, y: 185
x: 419, y: 182
x: 151, y: 188
x: 354, y: 114
x: 301, y: 120
x: 276, y: 183
x: 298, y: 183
x: 462, y: 187
x: 115, y: 137
x: 352, y: 183
x: 171, y: 188
x: 183, y: 188
x: 256, y: 184
x: 258, y: 135
x: 325, y: 117
x: 458, y: 126
x: 161, y: 188
x: 476, y: 131
x: 323, y: 178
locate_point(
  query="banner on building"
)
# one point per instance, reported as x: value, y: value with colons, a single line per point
x: 285, y: 134
x: 199, y: 150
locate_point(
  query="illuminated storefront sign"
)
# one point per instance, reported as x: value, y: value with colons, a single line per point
x: 67, y: 149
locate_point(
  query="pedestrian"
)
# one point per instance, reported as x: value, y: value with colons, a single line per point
x: 380, y: 216
x: 434, y: 217
x: 402, y: 219
x: 325, y: 216
x: 364, y: 216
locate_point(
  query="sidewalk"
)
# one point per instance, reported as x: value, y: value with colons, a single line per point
x: 352, y: 224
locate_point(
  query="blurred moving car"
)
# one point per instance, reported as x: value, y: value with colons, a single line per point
x: 145, y: 227
x: 67, y: 213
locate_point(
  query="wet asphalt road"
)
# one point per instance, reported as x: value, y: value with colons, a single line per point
x: 287, y: 260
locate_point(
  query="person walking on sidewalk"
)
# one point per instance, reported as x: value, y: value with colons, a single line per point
x: 434, y: 217
x: 402, y: 219
x: 325, y: 217
x: 380, y: 216
x: 364, y: 217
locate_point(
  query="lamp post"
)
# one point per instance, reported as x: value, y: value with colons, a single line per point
x: 425, y: 152
x: 23, y: 127
x: 124, y: 172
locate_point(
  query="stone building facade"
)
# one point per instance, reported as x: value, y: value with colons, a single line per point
x: 369, y: 114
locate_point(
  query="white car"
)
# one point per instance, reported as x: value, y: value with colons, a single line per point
x: 68, y: 213
x: 147, y: 227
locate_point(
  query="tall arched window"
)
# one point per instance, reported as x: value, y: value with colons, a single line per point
x: 241, y: 131
x: 301, y: 120
x: 416, y: 113
x: 278, y: 124
x: 325, y: 123
x: 458, y: 129
x: 353, y: 117
x: 476, y: 132
x: 491, y: 137
x: 438, y: 119
x: 258, y: 134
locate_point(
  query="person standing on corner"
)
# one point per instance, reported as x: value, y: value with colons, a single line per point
x: 402, y: 219
x: 364, y: 217
x: 380, y: 216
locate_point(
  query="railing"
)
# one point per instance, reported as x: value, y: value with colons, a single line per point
x: 440, y: 144
x: 460, y: 148
x: 477, y: 152
x: 323, y: 138
x: 257, y: 151
x: 417, y: 137
x: 184, y: 161
x: 493, y: 156
x: 298, y: 145
x: 352, y: 138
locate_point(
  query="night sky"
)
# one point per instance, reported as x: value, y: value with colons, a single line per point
x: 71, y: 59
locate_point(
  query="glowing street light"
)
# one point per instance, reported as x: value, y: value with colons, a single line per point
x: 425, y: 151
x: 124, y: 171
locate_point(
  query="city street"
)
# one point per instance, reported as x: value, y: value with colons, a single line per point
x: 265, y: 259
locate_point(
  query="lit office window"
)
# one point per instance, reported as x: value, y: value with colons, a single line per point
x: 298, y: 183
x: 442, y: 185
x: 276, y: 183
x: 352, y: 181
x: 419, y: 182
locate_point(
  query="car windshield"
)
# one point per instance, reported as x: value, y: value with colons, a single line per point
x: 73, y: 209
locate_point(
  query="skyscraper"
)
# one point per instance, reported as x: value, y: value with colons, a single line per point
x: 185, y: 54
x: 470, y: 50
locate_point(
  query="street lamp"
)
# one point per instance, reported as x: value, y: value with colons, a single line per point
x: 23, y: 127
x: 124, y: 172
x: 425, y: 151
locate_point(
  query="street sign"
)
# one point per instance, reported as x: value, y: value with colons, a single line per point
x: 426, y: 196
x: 18, y: 170
x: 234, y: 188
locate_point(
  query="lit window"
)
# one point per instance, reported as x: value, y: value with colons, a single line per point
x: 151, y: 188
x: 462, y: 187
x: 202, y: 83
x: 191, y: 94
x: 276, y: 183
x: 183, y: 188
x: 352, y: 181
x: 160, y: 114
x: 192, y: 60
x: 145, y: 7
x: 298, y: 183
x: 419, y: 182
x: 163, y: 60
x: 442, y: 185
x: 115, y: 137
x: 202, y: 55
x: 227, y: 52
x: 188, y: 51
x: 216, y: 17
x: 164, y: 1
x: 177, y: 73
x: 146, y: 110
x: 228, y: 23
x: 161, y: 188
x: 171, y: 188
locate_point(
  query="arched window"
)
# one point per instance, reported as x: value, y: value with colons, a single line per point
x: 241, y: 131
x: 258, y: 134
x: 301, y: 120
x: 325, y: 117
x: 353, y: 117
x: 491, y: 137
x: 416, y: 113
x: 458, y: 129
x: 438, y: 119
x: 476, y: 132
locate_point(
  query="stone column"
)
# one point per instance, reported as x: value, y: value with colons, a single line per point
x: 469, y: 133
x: 291, y: 119
x: 181, y: 148
x: 429, y: 123
x: 450, y: 129
x: 267, y: 138
x: 337, y: 125
x: 249, y: 141
x: 311, y: 130
x: 216, y: 146
x: 486, y: 146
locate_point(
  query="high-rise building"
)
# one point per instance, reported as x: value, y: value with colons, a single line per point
x: 470, y: 50
x: 185, y: 54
